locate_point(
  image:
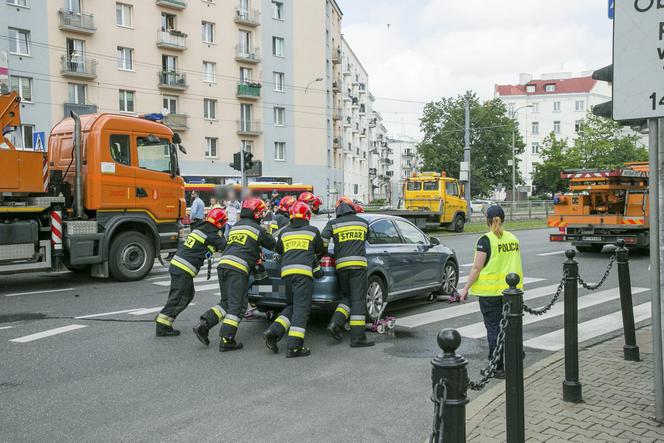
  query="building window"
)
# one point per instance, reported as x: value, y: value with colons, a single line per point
x: 209, y: 72
x: 580, y: 105
x: 125, y: 59
x: 19, y: 41
x: 246, y: 112
x: 280, y: 151
x: 247, y: 145
x: 22, y: 138
x: 530, y: 89
x: 535, y: 128
x: 73, y: 5
x: 23, y: 3
x: 76, y: 93
x: 536, y: 148
x: 535, y: 107
x: 277, y: 10
x: 207, y: 29
x: 209, y: 109
x: 279, y: 80
x: 556, y: 127
x: 245, y: 75
x: 23, y: 87
x: 277, y: 46
x: 556, y: 106
x: 356, y: 189
x: 126, y: 101
x: 211, y: 147
x: 550, y: 87
x: 168, y: 21
x: 578, y: 125
x: 170, y: 103
x: 123, y: 15
x: 279, y: 116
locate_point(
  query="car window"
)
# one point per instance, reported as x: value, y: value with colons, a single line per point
x: 451, y: 189
x: 414, y: 186
x: 431, y: 186
x: 383, y: 232
x: 120, y: 149
x: 411, y: 234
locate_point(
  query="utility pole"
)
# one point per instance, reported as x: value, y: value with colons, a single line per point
x: 513, y: 162
x: 466, y: 149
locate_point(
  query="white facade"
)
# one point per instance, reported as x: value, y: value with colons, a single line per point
x: 380, y: 171
x: 403, y: 158
x: 555, y: 103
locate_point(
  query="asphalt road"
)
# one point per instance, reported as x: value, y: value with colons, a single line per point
x: 107, y: 378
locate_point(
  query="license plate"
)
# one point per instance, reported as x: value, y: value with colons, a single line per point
x: 592, y: 238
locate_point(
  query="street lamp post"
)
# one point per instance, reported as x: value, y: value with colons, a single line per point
x: 514, y: 198
x: 319, y: 79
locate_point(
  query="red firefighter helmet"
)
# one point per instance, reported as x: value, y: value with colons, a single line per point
x: 344, y: 199
x: 217, y: 217
x: 256, y: 206
x: 300, y: 210
x: 358, y: 208
x: 306, y: 197
x: 316, y: 204
x: 286, y: 202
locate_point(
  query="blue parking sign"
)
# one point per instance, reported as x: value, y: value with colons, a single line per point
x: 39, y: 141
x: 612, y: 8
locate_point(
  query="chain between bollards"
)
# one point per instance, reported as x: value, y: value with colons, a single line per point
x: 514, y: 406
x: 630, y: 349
x: 571, y: 384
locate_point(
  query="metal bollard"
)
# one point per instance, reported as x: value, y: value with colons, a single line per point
x: 631, y: 349
x: 571, y: 385
x: 451, y: 368
x: 513, y: 361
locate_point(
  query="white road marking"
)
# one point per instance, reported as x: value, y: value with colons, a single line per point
x: 467, y: 265
x: 104, y: 314
x: 146, y: 311
x: 196, y: 279
x: 48, y: 333
x: 477, y: 330
x: 526, y: 280
x: 6, y: 327
x: 555, y: 341
x: 550, y: 253
x: 425, y: 318
x: 39, y: 292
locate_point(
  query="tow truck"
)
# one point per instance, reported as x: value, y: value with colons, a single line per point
x: 105, y: 199
x: 602, y: 207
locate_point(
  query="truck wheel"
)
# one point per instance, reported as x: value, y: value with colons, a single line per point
x: 590, y: 248
x: 458, y: 223
x: 131, y: 256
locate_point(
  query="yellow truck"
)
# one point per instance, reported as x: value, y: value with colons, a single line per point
x: 431, y: 199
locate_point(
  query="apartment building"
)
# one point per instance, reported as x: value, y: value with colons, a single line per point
x: 555, y: 103
x: 403, y: 158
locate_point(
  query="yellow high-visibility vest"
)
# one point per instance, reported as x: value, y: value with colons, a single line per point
x: 505, y: 259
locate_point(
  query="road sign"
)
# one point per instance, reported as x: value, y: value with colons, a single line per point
x: 39, y: 141
x: 638, y: 60
x: 612, y: 9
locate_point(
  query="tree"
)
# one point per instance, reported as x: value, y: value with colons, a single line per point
x: 441, y: 149
x: 556, y: 156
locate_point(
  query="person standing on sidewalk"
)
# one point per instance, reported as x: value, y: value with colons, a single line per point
x: 232, y: 209
x: 497, y: 254
x: 197, y: 210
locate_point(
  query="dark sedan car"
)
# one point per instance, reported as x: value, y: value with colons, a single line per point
x: 403, y: 263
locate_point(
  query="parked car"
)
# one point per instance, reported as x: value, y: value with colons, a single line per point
x: 403, y: 263
x: 477, y: 206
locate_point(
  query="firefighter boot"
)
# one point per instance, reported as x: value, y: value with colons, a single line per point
x: 335, y: 331
x: 166, y: 331
x: 300, y: 351
x: 229, y: 344
x: 361, y: 343
x: 202, y: 330
x: 271, y: 340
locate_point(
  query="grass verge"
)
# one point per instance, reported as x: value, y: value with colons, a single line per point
x: 477, y: 227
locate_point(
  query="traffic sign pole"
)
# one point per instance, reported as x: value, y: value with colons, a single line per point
x: 244, y: 173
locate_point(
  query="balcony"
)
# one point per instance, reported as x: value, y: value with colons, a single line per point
x: 172, y: 39
x: 336, y: 86
x: 408, y: 154
x: 249, y: 91
x: 249, y: 127
x: 80, y: 68
x: 172, y: 4
x: 347, y: 72
x: 363, y: 133
x: 79, y: 109
x: 177, y: 122
x: 172, y: 80
x: 347, y: 122
x: 372, y: 172
x: 77, y: 22
x: 363, y: 110
x: 251, y: 55
x: 336, y: 143
x: 386, y: 161
x: 389, y: 173
x: 336, y: 56
x: 337, y: 114
x: 362, y: 88
x: 247, y: 17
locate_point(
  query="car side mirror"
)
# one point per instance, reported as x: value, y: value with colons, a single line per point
x: 434, y: 241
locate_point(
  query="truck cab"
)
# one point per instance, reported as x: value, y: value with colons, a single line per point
x: 439, y: 195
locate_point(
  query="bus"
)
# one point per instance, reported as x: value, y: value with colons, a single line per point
x: 263, y: 190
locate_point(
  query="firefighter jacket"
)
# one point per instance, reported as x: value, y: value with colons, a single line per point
x: 206, y: 238
x: 245, y: 240
x: 349, y: 232
x: 278, y: 221
x: 300, y: 245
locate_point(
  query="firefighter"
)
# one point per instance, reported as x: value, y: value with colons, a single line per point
x: 349, y: 232
x: 300, y: 245
x: 313, y: 201
x: 205, y: 239
x: 496, y: 255
x: 245, y: 240
x: 282, y: 216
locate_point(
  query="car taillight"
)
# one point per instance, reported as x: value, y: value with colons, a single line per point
x: 630, y: 240
x: 328, y: 262
x: 561, y: 230
x: 557, y: 238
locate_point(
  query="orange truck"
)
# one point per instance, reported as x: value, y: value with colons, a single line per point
x: 106, y: 199
x: 602, y: 207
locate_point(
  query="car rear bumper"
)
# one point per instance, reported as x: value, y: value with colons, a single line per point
x: 271, y: 293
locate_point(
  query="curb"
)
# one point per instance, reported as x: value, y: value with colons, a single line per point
x: 443, y: 234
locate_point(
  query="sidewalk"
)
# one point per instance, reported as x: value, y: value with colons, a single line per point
x: 618, y: 399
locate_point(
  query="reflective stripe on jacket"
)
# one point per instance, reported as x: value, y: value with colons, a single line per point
x: 300, y: 245
x: 505, y: 259
x: 191, y: 254
x: 245, y: 240
x: 349, y: 233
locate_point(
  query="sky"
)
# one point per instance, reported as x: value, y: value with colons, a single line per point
x: 421, y: 50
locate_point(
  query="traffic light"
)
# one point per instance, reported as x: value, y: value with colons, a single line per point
x: 604, y: 109
x: 248, y: 163
x: 237, y: 161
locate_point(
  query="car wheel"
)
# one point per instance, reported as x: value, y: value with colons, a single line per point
x: 376, y: 297
x: 458, y: 223
x: 450, y: 278
x: 131, y: 256
x: 590, y: 248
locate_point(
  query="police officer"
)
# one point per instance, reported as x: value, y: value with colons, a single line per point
x: 349, y: 232
x: 205, y: 239
x: 497, y: 254
x: 245, y: 240
x: 301, y: 246
x: 282, y: 216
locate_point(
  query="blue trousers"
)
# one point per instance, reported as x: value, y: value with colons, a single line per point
x: 492, y: 311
